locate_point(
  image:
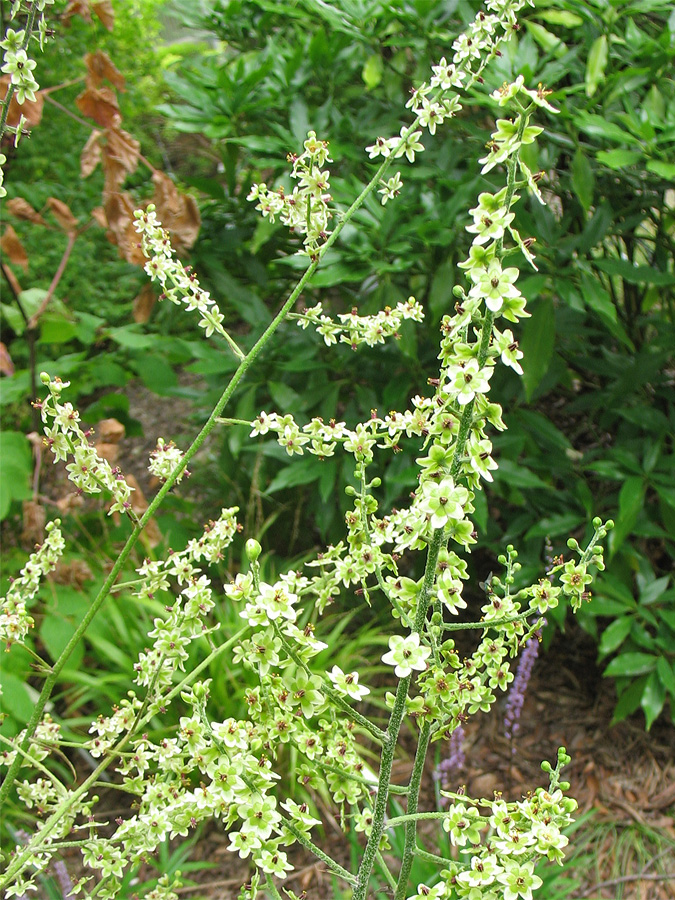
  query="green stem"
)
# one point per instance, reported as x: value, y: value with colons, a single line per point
x: 413, y: 799
x: 319, y: 853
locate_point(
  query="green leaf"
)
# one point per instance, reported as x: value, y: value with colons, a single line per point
x: 631, y: 501
x: 629, y: 701
x: 634, y: 274
x: 598, y: 299
x: 553, y: 526
x: 666, y: 673
x: 618, y: 159
x: 372, y: 71
x: 16, y: 469
x: 537, y: 342
x: 304, y: 471
x: 546, y: 40
x: 631, y: 664
x: 560, y: 17
x: 595, y: 67
x: 129, y: 336
x: 653, y: 697
x: 664, y: 169
x: 16, y: 698
x: 598, y: 127
x: 582, y: 178
x: 55, y: 632
x: 614, y: 635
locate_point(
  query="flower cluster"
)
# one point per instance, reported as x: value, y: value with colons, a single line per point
x: 516, y: 698
x: 89, y: 472
x: 305, y: 209
x: 15, y: 623
x: 20, y: 66
x: 164, y: 459
x: 179, y: 284
x: 354, y: 329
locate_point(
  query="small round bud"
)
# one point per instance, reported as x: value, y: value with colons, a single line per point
x: 609, y: 524
x: 350, y: 491
x: 44, y: 378
x: 597, y: 522
x: 253, y: 550
x: 458, y: 291
x: 375, y: 483
x: 573, y: 544
x: 546, y: 767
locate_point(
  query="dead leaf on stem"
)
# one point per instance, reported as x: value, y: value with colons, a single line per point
x: 61, y: 212
x: 177, y: 212
x: 31, y: 109
x: 119, y: 212
x: 100, y: 104
x: 6, y: 364
x: 90, y: 156
x: 104, y: 10
x: 13, y: 248
x: 101, y: 68
x: 22, y: 209
x: 144, y: 303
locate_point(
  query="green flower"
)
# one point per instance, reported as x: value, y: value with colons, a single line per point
x: 519, y: 880
x: 406, y: 654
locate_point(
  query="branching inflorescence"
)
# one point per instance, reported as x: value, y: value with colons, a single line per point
x: 226, y: 769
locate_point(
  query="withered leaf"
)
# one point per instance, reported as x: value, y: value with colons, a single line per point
x: 91, y: 154
x: 120, y: 158
x: 12, y: 246
x: 101, y: 68
x: 100, y: 104
x: 144, y: 303
x: 99, y: 216
x: 76, y: 8
x: 31, y: 109
x: 62, y: 214
x: 119, y: 211
x: 6, y: 364
x: 22, y: 209
x: 34, y: 518
x: 177, y: 212
x: 151, y: 533
x: 104, y: 10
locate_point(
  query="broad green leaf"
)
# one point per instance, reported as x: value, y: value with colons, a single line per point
x: 653, y: 697
x: 631, y: 664
x: 598, y: 127
x: 595, y: 67
x: 629, y: 700
x: 614, y: 635
x: 599, y: 300
x: 15, y: 469
x: 128, y: 336
x: 537, y: 342
x: 553, y: 526
x: 666, y: 672
x: 582, y: 178
x: 618, y: 159
x: 664, y: 169
x: 655, y: 589
x: 631, y: 501
x: 634, y: 274
x: 304, y: 471
x: 372, y: 71
x: 55, y: 632
x: 16, y: 698
x: 546, y: 40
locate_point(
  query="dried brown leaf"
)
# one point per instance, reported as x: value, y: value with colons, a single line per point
x: 74, y: 573
x: 151, y: 533
x: 91, y: 154
x: 12, y: 246
x: 144, y: 303
x: 61, y: 212
x: 101, y: 68
x: 100, y: 104
x: 22, y: 209
x: 34, y: 518
x: 6, y: 364
x: 120, y: 158
x: 104, y: 10
x: 177, y: 212
x: 98, y: 215
x: 30, y: 109
x: 76, y: 8
x: 119, y: 211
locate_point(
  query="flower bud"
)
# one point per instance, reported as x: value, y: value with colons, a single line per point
x: 253, y: 550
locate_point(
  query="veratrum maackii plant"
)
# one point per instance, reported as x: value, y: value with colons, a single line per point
x: 226, y: 769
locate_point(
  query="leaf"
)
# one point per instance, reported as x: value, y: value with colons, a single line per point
x: 100, y: 68
x: 144, y: 303
x: 90, y: 156
x: 61, y: 212
x: 664, y: 169
x: 30, y: 110
x: 666, y: 673
x: 296, y: 473
x: 553, y: 526
x: 614, y: 635
x: 22, y: 209
x: 631, y: 664
x: 119, y: 212
x: 631, y: 501
x: 560, y: 17
x: 582, y: 178
x: 599, y: 300
x: 100, y: 104
x: 16, y: 470
x: 618, y: 159
x: 597, y: 127
x: 372, y: 71
x: 653, y: 697
x: 634, y: 274
x: 55, y: 632
x: 12, y: 246
x: 16, y: 698
x: 104, y: 10
x: 119, y: 158
x: 629, y: 701
x: 595, y: 67
x: 177, y: 212
x: 6, y: 364
x: 537, y: 342
x: 549, y: 42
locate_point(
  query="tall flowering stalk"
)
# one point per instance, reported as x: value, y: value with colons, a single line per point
x: 226, y: 770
